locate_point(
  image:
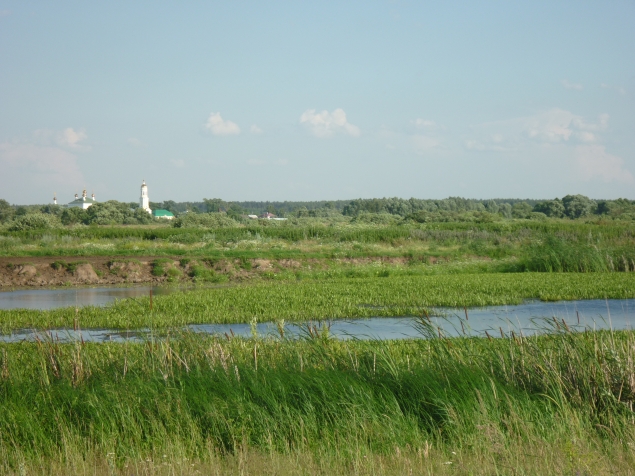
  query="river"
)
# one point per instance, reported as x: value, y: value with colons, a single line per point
x: 528, y: 317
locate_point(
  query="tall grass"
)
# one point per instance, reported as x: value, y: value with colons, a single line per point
x: 558, y: 404
x: 558, y: 255
x: 499, y: 239
x: 330, y: 299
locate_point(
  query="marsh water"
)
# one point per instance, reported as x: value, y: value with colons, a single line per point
x: 43, y: 299
x: 528, y: 317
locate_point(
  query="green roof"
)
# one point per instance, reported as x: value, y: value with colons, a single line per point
x: 81, y: 200
x: 162, y: 213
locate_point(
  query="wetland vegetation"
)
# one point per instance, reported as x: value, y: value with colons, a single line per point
x: 328, y: 298
x: 560, y: 402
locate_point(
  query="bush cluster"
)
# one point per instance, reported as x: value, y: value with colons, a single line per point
x: 205, y: 220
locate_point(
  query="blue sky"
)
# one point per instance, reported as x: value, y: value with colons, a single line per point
x: 316, y: 100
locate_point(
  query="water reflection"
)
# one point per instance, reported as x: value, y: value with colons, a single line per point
x: 45, y: 299
x: 526, y: 318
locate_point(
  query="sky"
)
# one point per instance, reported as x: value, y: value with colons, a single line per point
x: 316, y: 100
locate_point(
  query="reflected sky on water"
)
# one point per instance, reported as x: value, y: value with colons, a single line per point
x: 44, y: 299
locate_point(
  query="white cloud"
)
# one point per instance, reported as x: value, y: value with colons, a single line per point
x: 554, y: 139
x: 549, y: 127
x: 594, y: 162
x: 178, y: 163
x: 586, y: 136
x: 558, y: 125
x: 325, y: 124
x: 569, y: 85
x: 220, y: 127
x: 579, y: 124
x: 281, y: 162
x: 69, y: 137
x: 254, y: 129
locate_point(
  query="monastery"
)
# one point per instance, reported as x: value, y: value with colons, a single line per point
x: 144, y: 202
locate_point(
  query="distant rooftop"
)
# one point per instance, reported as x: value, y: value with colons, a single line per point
x: 162, y: 213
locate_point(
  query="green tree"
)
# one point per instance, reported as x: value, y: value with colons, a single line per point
x: 21, y: 211
x: 6, y: 211
x: 73, y: 216
x: 551, y: 208
x: 214, y: 204
x: 521, y: 210
x: 505, y: 209
x: 615, y: 208
x: 491, y: 206
x: 51, y: 210
x: 577, y: 206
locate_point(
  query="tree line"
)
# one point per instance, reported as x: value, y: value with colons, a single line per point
x: 374, y: 210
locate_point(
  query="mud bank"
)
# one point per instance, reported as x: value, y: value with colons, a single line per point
x: 67, y: 271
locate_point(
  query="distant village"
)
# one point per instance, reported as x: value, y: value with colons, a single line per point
x: 85, y: 202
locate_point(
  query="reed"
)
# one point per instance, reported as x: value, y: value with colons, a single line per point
x: 559, y: 403
x: 558, y: 255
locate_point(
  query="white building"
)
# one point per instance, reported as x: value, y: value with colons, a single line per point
x: 144, y: 201
x: 83, y: 202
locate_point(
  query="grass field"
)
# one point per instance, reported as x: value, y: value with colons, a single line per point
x: 494, y: 240
x: 551, y: 404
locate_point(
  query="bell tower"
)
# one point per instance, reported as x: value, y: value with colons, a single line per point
x: 144, y: 201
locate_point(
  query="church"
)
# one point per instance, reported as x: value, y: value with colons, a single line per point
x: 83, y: 202
x: 144, y: 200
x: 144, y: 203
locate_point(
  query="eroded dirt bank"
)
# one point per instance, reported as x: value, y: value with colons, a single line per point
x: 36, y: 272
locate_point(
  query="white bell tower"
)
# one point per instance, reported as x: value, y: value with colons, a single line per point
x: 144, y: 201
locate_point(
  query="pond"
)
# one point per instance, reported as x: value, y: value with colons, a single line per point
x: 527, y: 318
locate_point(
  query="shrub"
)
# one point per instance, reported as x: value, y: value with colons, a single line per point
x: 160, y: 266
x: 59, y: 264
x: 34, y: 221
x: 205, y: 220
x: 201, y: 273
x: 376, y: 218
